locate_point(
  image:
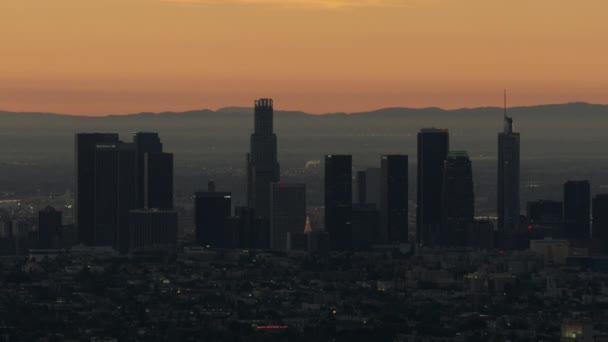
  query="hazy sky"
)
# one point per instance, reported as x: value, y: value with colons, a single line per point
x: 121, y: 56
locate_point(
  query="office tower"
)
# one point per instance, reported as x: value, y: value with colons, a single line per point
x: 577, y: 209
x: 158, y: 180
x: 365, y: 226
x: 145, y: 142
x: 115, y: 194
x: 458, y: 200
x: 393, y: 199
x: 152, y: 229
x: 287, y: 212
x: 49, y: 227
x: 508, y: 176
x: 230, y: 233
x: 545, y: 216
x: 361, y: 187
x: 480, y: 235
x: 338, y: 200
x: 211, y: 210
x: 372, y: 186
x: 600, y: 220
x: 433, y: 146
x: 85, y: 181
x: 262, y: 166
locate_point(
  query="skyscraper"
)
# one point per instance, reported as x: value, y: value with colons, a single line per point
x: 393, y: 198
x: 508, y: 176
x: 577, y: 209
x: 600, y: 220
x: 115, y: 194
x: 158, y: 180
x: 338, y: 200
x: 152, y: 229
x: 372, y: 186
x: 458, y: 200
x: 545, y: 216
x: 287, y: 213
x: 145, y: 142
x: 85, y: 181
x: 361, y: 187
x: 262, y: 166
x: 433, y: 146
x: 211, y: 210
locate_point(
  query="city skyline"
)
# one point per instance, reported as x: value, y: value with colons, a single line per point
x: 116, y: 57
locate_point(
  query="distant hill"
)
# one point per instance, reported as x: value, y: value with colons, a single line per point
x: 222, y: 136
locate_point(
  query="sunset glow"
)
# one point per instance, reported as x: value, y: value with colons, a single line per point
x: 123, y: 56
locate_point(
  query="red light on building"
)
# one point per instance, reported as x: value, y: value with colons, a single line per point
x: 530, y: 227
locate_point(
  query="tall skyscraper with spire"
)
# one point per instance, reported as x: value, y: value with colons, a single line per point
x: 262, y: 165
x: 508, y: 175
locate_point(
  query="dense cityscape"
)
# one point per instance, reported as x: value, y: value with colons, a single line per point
x: 118, y: 261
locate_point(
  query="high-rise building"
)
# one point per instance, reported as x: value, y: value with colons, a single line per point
x: 262, y: 165
x: 545, y: 216
x: 49, y: 227
x: 152, y: 229
x: 480, y: 235
x: 145, y: 142
x: 287, y: 213
x: 338, y: 200
x: 372, y: 186
x: 211, y: 210
x: 115, y: 194
x: 85, y: 181
x: 361, y: 187
x: 600, y: 220
x: 365, y: 226
x: 458, y: 200
x: 433, y: 146
x: 577, y: 210
x: 508, y: 176
x: 158, y: 180
x: 393, y: 199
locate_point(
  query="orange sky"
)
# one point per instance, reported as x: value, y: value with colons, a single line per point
x: 122, y: 56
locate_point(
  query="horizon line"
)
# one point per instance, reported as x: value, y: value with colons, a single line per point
x: 300, y: 111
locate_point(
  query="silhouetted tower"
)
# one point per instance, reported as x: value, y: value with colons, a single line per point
x: 211, y: 210
x: 115, y: 194
x: 600, y: 220
x: 338, y: 200
x: 361, y: 187
x: 85, y: 181
x: 458, y: 199
x: 262, y: 166
x: 577, y: 209
x: 433, y: 146
x: 145, y: 142
x: 288, y: 213
x: 508, y: 176
x: 158, y: 180
x: 393, y: 199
